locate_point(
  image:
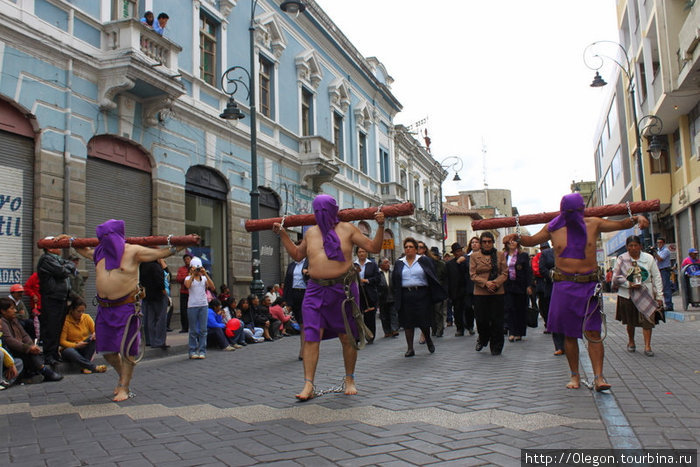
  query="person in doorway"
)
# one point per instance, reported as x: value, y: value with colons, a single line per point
x: 328, y: 247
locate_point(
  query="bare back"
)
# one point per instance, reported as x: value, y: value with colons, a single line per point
x: 320, y: 267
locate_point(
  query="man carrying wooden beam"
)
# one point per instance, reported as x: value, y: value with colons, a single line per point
x: 573, y: 309
x: 328, y: 247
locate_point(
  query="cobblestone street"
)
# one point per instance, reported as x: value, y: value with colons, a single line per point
x: 455, y: 407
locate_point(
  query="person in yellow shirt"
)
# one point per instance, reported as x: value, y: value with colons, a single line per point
x: 77, y: 341
x: 9, y: 369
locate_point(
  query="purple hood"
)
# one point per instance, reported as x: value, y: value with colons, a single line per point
x: 326, y: 213
x: 111, y: 247
x: 571, y: 217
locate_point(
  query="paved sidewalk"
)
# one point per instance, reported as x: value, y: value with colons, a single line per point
x: 454, y: 407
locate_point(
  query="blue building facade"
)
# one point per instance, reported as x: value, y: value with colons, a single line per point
x: 101, y: 117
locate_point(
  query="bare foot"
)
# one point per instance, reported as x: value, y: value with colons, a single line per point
x: 350, y: 388
x: 575, y: 382
x: 601, y: 384
x: 121, y: 394
x: 307, y: 393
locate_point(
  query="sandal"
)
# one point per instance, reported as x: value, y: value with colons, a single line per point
x: 604, y: 386
x: 301, y: 398
x: 632, y: 348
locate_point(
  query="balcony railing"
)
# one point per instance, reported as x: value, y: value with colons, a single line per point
x: 131, y: 35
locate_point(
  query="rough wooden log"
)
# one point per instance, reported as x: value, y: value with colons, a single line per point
x: 347, y: 215
x: 183, y: 240
x: 542, y: 218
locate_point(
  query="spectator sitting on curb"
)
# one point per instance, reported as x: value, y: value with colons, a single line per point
x: 77, y: 343
x: 16, y: 340
x: 278, y: 311
x: 216, y: 327
x: 9, y: 369
x: 244, y: 313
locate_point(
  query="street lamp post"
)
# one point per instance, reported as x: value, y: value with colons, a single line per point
x: 455, y: 163
x: 229, y: 84
x: 655, y: 124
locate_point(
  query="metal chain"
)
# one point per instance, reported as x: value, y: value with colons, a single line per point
x: 332, y: 390
x: 597, y: 294
x: 629, y: 209
x: 517, y: 226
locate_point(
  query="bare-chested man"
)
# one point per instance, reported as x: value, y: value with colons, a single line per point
x: 328, y: 247
x: 575, y: 278
x: 117, y: 279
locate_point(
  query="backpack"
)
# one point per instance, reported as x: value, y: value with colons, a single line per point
x: 536, y: 265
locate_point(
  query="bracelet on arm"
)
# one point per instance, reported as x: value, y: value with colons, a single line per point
x: 171, y: 247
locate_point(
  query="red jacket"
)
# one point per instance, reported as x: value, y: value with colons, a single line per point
x: 31, y: 289
x: 182, y: 273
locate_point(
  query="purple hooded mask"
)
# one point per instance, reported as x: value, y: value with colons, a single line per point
x: 571, y: 217
x: 326, y: 213
x: 111, y: 246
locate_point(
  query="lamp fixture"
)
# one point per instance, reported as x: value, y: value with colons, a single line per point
x: 656, y: 147
x: 232, y: 111
x: 293, y: 6
x: 598, y: 81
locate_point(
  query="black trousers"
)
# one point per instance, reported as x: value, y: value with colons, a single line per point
x: 469, y: 312
x: 387, y: 316
x: 458, y: 307
x: 53, y: 313
x: 489, y: 320
x: 297, y: 298
x: 184, y: 322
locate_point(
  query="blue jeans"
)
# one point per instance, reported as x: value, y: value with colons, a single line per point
x: 82, y: 356
x: 197, y: 318
x: 668, y: 287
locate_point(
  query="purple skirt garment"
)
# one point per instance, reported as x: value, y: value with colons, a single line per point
x: 321, y: 309
x: 109, y: 328
x: 567, y: 309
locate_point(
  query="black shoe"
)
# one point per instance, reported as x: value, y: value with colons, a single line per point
x: 164, y: 346
x: 50, y: 375
x: 496, y: 351
x: 409, y: 353
x: 479, y: 345
x: 471, y: 332
x: 168, y: 330
x: 459, y: 333
x: 431, y: 347
x: 182, y: 331
x: 50, y: 361
x: 439, y: 334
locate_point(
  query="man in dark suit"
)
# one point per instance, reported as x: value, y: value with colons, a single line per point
x: 369, y: 280
x: 294, y: 290
x: 387, y: 313
x: 457, y: 270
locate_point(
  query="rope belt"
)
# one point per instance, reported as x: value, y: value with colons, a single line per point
x: 559, y: 276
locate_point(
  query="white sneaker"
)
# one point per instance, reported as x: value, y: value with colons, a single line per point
x: 259, y: 339
x: 230, y: 348
x: 201, y: 356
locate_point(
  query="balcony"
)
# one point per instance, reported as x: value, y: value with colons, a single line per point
x: 689, y: 53
x: 393, y: 193
x: 144, y: 63
x: 318, y: 161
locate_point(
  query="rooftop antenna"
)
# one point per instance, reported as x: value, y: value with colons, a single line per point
x: 483, y: 160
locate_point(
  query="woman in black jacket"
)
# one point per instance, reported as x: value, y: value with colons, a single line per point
x: 518, y: 288
x: 416, y: 289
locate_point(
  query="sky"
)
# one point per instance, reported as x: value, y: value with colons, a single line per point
x: 506, y: 73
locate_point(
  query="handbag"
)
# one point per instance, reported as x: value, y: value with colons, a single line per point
x: 660, y: 315
x: 532, y: 315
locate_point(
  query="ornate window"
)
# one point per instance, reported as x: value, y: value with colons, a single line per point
x: 208, y: 29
